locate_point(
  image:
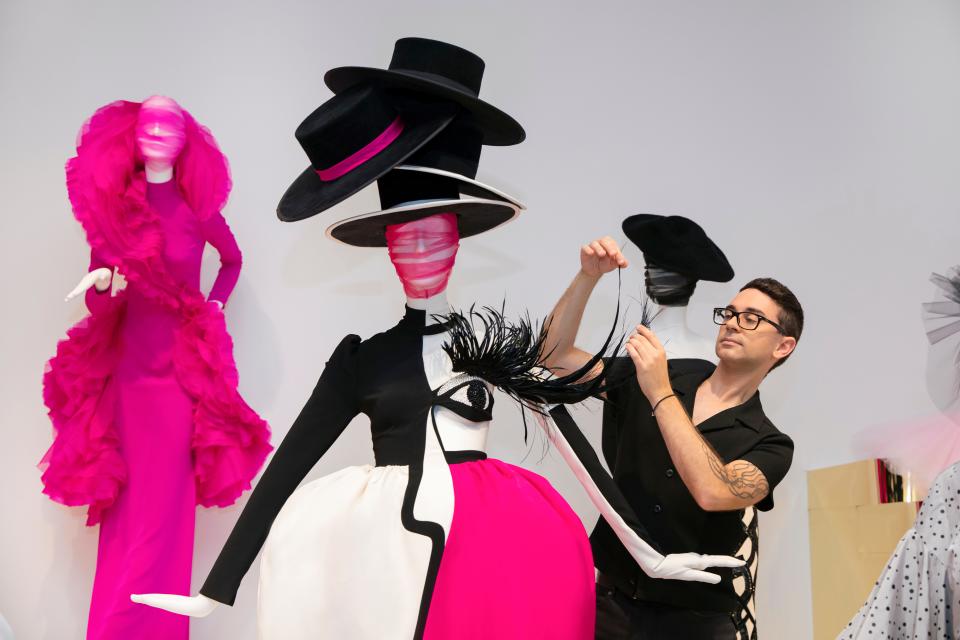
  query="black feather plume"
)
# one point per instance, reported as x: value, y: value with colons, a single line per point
x: 511, y: 356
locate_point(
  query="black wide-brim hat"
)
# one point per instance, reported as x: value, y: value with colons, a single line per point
x: 676, y: 243
x: 353, y: 139
x: 441, y: 70
x: 406, y: 196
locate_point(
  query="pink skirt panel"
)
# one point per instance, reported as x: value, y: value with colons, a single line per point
x: 517, y: 562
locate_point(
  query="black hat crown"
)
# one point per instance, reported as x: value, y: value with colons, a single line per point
x: 455, y: 149
x: 440, y: 61
x: 397, y: 188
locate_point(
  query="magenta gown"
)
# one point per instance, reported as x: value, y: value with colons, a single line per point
x: 146, y: 536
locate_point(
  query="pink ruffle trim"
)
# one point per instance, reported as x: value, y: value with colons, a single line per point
x: 84, y: 465
x: 230, y: 441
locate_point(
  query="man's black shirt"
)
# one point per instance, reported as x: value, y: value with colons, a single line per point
x: 637, y: 455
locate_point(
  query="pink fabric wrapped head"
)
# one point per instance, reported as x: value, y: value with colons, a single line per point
x: 423, y: 253
x: 161, y: 131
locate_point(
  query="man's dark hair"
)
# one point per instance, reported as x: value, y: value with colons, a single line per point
x: 791, y: 313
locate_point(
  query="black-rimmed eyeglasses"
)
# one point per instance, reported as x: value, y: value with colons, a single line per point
x: 745, y: 319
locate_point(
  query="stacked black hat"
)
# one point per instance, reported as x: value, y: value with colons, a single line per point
x: 417, y: 128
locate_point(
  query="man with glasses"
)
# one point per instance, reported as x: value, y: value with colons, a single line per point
x: 689, y: 445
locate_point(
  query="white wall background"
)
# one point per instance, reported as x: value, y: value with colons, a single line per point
x: 817, y: 141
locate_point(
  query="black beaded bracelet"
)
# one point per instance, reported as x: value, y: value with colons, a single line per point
x: 654, y: 412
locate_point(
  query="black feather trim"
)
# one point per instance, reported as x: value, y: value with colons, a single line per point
x: 510, y: 356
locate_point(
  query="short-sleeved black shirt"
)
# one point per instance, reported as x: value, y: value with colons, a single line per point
x: 638, y: 458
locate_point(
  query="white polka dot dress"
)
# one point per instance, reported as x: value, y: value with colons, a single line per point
x: 918, y: 593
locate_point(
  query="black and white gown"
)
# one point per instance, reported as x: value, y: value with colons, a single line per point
x: 357, y: 554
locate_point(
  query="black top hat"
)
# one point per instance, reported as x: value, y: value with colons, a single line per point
x: 454, y: 153
x: 410, y: 195
x: 440, y: 70
x: 678, y: 244
x: 353, y: 139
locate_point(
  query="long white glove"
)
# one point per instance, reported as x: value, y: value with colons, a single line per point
x: 198, y: 606
x: 578, y: 454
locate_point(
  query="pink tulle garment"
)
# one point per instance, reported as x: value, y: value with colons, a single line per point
x: 143, y: 392
x: 423, y: 253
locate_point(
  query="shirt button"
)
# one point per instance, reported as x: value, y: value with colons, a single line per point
x: 657, y: 508
x: 669, y: 473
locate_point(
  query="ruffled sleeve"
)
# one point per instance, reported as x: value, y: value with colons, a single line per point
x: 328, y: 411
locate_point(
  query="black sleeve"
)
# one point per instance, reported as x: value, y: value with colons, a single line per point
x: 772, y: 455
x: 604, y: 482
x: 331, y: 407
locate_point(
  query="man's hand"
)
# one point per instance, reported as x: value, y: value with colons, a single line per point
x: 650, y: 361
x: 600, y: 257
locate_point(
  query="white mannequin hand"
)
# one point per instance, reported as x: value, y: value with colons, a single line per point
x: 99, y: 278
x: 119, y: 283
x: 689, y: 567
x: 198, y: 606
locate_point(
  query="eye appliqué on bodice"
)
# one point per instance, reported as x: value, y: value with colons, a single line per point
x: 459, y: 426
x: 468, y: 397
x: 462, y: 410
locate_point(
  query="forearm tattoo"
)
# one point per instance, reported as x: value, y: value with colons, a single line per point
x: 743, y: 479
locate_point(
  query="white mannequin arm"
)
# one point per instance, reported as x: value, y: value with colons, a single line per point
x: 198, y: 606
x: 676, y: 566
x: 99, y: 278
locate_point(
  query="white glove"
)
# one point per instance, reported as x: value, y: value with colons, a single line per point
x: 689, y: 567
x: 198, y: 606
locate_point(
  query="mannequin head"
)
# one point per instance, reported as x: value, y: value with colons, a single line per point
x: 668, y: 288
x: 423, y: 252
x: 160, y: 132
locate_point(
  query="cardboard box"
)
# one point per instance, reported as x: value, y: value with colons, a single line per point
x: 851, y: 539
x: 846, y: 485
